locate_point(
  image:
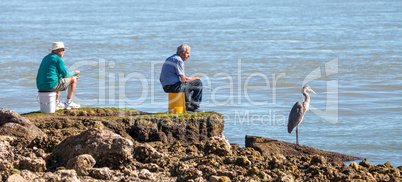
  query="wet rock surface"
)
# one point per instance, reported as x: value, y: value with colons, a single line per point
x: 99, y: 144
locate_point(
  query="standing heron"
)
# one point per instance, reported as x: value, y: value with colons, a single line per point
x: 297, y: 113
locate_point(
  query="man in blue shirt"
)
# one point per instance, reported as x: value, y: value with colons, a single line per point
x: 174, y: 80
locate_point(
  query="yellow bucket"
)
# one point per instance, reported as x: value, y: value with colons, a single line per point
x: 178, y: 110
x: 177, y: 103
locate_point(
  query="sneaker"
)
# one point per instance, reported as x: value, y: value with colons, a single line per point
x: 60, y: 105
x: 195, y: 111
x: 72, y: 105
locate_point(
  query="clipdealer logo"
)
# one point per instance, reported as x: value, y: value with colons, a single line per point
x: 330, y: 112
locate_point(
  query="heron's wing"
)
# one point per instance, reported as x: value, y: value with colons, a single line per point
x: 295, y: 116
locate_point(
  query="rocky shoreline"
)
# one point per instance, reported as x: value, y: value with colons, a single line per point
x: 108, y: 144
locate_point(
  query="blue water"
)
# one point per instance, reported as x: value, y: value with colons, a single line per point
x: 253, y: 56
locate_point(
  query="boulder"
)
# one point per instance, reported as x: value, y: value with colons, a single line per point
x: 355, y: 166
x: 101, y: 173
x: 188, y: 173
x: 15, y: 178
x: 6, y: 156
x: 146, y: 174
x: 49, y: 176
x: 146, y: 153
x: 243, y: 161
x: 364, y: 163
x: 218, y: 145
x: 33, y: 164
x: 12, y: 124
x: 28, y: 175
x: 224, y: 179
x: 67, y: 175
x: 269, y: 146
x: 207, y: 171
x: 214, y: 178
x: 81, y: 164
x: 107, y: 148
x: 151, y: 167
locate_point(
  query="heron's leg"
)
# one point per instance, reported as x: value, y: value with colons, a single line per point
x: 297, y: 135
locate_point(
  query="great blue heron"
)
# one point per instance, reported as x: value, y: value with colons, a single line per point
x: 297, y: 113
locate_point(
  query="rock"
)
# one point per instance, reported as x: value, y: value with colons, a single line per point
x: 12, y: 124
x: 145, y: 174
x: 7, y: 138
x: 152, y: 167
x: 15, y: 178
x: 81, y: 163
x: 130, y: 171
x: 243, y: 161
x: 68, y: 175
x: 354, y: 165
x: 176, y: 147
x: 28, y: 175
x: 269, y: 146
x: 277, y: 161
x: 45, y: 143
x: 6, y: 156
x: 101, y: 173
x: 187, y: 128
x: 364, y: 163
x: 388, y: 165
x: 200, y: 157
x: 229, y: 173
x: 219, y: 179
x: 107, y: 148
x: 224, y: 179
x: 188, y: 173
x: 214, y: 178
x: 317, y: 159
x: 49, y: 176
x: 199, y: 179
x: 207, y: 171
x: 146, y: 153
x: 234, y: 146
x: 286, y: 177
x: 33, y: 164
x: 218, y: 145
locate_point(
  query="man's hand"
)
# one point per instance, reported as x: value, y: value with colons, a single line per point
x: 77, y: 72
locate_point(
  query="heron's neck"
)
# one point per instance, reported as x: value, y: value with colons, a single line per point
x: 307, y: 99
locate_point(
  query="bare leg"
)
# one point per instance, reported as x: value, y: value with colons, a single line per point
x: 71, y: 88
x: 297, y: 135
x: 57, y: 95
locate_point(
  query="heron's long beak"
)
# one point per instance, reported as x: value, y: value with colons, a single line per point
x: 312, y: 91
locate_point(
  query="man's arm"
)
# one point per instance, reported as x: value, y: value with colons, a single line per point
x: 185, y: 78
x: 62, y: 69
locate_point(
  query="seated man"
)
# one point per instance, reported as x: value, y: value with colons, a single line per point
x: 53, y: 76
x: 174, y: 80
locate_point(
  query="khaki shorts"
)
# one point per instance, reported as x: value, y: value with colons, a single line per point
x: 62, y: 85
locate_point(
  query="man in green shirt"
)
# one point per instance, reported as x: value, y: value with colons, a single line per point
x: 53, y: 76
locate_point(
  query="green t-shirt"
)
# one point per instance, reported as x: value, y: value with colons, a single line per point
x: 50, y: 70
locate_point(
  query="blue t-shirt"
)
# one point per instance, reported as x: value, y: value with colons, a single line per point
x: 171, y: 69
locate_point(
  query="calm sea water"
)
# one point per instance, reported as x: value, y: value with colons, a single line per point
x: 253, y: 56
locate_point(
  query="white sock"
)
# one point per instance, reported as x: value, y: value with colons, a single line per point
x: 69, y: 101
x: 57, y: 102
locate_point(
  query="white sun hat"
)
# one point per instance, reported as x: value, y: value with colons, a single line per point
x: 57, y: 45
